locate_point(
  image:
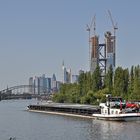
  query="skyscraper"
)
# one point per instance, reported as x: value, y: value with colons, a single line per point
x: 54, y: 83
x: 94, y: 53
x: 31, y: 84
x: 48, y: 84
x: 109, y: 41
x: 37, y: 85
x: 66, y: 74
x: 74, y: 79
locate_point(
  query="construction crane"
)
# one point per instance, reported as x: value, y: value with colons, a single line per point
x: 89, y: 29
x: 114, y: 31
x: 114, y: 25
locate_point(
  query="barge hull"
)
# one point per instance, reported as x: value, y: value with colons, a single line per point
x: 121, y: 117
x: 85, y: 111
x: 63, y: 114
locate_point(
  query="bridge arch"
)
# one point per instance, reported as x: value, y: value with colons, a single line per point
x: 20, y: 89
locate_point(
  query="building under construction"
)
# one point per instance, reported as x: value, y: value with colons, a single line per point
x: 102, y: 54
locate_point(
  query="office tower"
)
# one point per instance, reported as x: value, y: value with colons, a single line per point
x: 37, y: 85
x: 66, y: 74
x: 74, y: 79
x: 53, y: 83
x: 48, y: 85
x: 31, y: 85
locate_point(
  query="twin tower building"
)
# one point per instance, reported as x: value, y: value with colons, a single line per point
x: 103, y: 54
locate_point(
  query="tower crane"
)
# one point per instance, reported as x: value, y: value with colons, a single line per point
x: 114, y: 31
x: 89, y: 29
x: 114, y: 25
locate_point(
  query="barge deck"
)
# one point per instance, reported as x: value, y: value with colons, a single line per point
x: 66, y: 109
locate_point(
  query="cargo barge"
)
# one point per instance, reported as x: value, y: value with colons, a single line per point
x: 77, y: 110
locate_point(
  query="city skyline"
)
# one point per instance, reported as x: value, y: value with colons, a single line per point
x: 36, y: 36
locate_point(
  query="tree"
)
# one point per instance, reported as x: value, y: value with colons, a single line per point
x: 96, y: 79
x: 108, y: 81
x: 131, y: 82
x: 90, y: 89
x: 125, y: 82
x: 118, y: 82
x: 89, y: 98
x: 88, y: 81
x: 136, y: 89
x: 81, y: 81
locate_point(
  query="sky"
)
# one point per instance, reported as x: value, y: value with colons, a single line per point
x: 37, y: 35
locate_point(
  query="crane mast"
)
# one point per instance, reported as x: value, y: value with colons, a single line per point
x: 89, y: 29
x: 114, y: 36
x: 102, y: 54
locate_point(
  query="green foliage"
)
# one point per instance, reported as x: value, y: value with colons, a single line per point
x: 121, y: 81
x: 136, y: 86
x: 60, y: 98
x: 118, y: 81
x: 131, y: 80
x: 69, y: 93
x: 96, y: 79
x: 91, y: 90
x: 108, y: 80
x: 89, y: 98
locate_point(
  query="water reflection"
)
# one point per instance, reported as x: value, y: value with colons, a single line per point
x: 109, y: 130
x: 15, y: 122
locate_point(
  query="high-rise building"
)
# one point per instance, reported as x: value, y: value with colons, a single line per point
x: 69, y: 76
x: 54, y: 77
x: 37, y: 85
x: 58, y: 84
x: 102, y: 54
x: 53, y: 83
x: 109, y: 41
x: 74, y: 79
x: 66, y: 74
x: 94, y: 53
x: 42, y: 84
x: 31, y: 85
x: 48, y: 85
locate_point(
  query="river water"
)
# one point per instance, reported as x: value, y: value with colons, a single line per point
x: 15, y: 121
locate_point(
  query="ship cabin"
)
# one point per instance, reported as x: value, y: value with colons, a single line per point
x: 113, y: 106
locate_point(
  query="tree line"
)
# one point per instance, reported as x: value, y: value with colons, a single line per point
x: 92, y: 87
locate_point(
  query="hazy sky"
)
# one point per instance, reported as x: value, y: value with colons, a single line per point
x: 37, y: 35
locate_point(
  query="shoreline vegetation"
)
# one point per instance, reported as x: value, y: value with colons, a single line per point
x: 92, y: 88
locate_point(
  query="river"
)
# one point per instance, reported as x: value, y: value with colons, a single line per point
x: 15, y: 121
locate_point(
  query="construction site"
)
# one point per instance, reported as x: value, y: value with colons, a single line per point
x: 102, y: 54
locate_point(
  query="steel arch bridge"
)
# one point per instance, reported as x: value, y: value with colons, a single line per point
x: 25, y: 89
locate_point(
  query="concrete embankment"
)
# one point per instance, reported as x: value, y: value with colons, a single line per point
x: 77, y: 110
